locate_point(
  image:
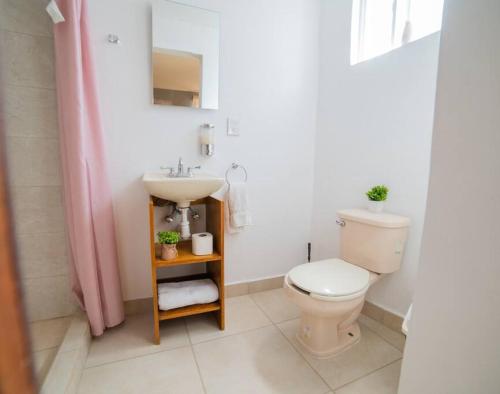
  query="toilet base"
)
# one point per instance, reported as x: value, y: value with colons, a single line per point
x: 346, y: 338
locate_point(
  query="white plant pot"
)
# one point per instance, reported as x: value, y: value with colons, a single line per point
x: 376, y: 206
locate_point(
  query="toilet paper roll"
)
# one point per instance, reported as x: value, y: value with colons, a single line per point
x: 202, y: 244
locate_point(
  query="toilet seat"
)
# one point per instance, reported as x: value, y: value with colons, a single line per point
x: 330, y: 279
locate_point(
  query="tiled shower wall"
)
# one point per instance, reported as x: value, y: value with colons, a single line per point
x: 33, y: 156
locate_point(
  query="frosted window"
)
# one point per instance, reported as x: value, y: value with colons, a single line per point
x: 379, y: 26
x: 425, y: 17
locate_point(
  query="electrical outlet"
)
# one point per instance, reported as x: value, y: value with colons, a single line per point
x: 233, y: 127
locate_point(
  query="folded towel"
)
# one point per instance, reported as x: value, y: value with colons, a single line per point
x: 237, y: 204
x: 178, y: 294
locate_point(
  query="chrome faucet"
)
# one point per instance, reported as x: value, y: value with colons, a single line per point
x: 180, y: 170
x: 180, y: 167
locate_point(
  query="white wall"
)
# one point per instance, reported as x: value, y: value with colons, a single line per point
x: 268, y: 80
x: 453, y: 344
x: 374, y: 126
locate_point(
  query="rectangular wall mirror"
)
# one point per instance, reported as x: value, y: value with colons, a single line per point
x: 185, y: 55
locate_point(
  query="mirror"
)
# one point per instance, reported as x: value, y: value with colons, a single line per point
x: 185, y: 55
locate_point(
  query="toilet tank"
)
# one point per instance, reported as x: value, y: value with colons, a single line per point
x: 374, y: 241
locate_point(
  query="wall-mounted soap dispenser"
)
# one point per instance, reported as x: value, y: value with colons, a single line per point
x: 207, y: 139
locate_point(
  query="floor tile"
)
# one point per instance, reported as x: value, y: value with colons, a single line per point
x: 383, y: 381
x: 242, y: 314
x: 259, y: 361
x: 370, y: 354
x: 172, y: 371
x: 276, y: 305
x: 43, y: 360
x: 47, y: 334
x: 78, y: 333
x: 395, y: 338
x: 61, y: 372
x: 134, y: 338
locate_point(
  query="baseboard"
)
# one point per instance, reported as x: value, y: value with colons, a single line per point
x: 255, y: 286
x: 383, y: 316
x: 141, y: 305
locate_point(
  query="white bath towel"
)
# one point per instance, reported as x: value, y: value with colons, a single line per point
x: 178, y: 294
x: 237, y: 204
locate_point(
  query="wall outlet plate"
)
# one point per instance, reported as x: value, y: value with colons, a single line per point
x: 233, y: 127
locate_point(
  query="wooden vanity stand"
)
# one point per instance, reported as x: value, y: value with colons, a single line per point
x: 214, y: 264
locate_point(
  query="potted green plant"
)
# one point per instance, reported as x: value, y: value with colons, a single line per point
x: 376, y: 198
x: 168, y: 241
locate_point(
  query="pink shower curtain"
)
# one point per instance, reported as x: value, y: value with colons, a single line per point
x: 87, y: 194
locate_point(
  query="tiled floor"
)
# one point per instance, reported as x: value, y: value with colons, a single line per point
x: 46, y: 336
x: 257, y: 353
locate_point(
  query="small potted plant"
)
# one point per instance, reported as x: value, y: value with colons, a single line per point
x: 168, y: 241
x: 376, y: 198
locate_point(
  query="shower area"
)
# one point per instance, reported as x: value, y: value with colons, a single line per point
x: 59, y: 332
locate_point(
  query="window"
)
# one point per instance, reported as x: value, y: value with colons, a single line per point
x: 379, y: 26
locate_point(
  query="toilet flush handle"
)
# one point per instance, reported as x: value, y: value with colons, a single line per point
x: 341, y: 223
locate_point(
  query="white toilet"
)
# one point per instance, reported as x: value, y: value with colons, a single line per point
x: 331, y: 293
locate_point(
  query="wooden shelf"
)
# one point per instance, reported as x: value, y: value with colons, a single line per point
x: 214, y: 267
x: 186, y: 257
x: 189, y: 310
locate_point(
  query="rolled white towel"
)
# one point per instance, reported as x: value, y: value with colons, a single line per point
x: 178, y: 294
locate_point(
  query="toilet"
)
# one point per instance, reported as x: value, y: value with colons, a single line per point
x: 330, y: 293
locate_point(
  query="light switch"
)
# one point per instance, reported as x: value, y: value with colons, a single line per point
x: 233, y: 127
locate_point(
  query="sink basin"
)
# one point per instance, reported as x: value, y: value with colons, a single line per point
x: 181, y: 190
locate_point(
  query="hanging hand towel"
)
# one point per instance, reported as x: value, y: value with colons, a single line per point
x: 178, y: 294
x: 237, y: 203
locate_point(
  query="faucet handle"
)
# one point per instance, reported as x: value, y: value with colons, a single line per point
x: 190, y: 170
x: 171, y: 172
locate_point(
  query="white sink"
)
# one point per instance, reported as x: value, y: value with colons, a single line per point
x: 181, y: 190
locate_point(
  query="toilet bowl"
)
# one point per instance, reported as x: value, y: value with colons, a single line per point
x: 330, y: 293
x: 330, y: 305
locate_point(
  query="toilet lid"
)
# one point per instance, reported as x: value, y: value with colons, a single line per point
x: 331, y: 277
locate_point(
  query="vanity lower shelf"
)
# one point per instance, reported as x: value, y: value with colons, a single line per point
x: 194, y: 309
x: 189, y: 310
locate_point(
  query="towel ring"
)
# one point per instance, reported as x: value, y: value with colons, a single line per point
x: 234, y: 167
